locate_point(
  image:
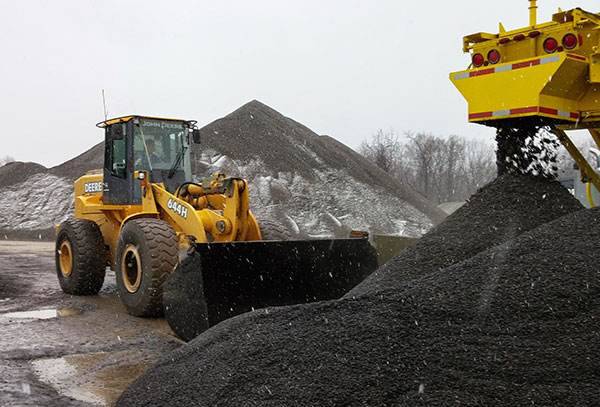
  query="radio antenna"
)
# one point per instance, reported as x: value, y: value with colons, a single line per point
x: 104, y: 104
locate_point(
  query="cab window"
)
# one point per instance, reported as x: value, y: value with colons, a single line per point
x: 157, y: 143
x: 116, y: 151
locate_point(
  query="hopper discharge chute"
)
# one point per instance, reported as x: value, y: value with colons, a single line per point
x: 545, y: 75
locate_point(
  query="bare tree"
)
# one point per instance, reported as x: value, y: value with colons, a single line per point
x: 442, y: 169
x: 480, y: 166
x: 384, y: 149
x: 423, y: 152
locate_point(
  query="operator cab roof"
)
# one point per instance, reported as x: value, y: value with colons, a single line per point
x: 125, y: 119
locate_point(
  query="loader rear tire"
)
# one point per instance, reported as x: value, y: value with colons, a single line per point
x: 80, y: 257
x: 146, y: 254
x: 271, y: 230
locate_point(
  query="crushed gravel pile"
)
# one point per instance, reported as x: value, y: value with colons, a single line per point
x: 514, y: 325
x: 92, y: 159
x: 17, y: 171
x: 319, y: 185
x: 500, y: 211
x: 42, y: 197
x: 310, y: 185
x: 36, y: 204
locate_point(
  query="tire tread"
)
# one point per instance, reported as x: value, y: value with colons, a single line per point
x: 161, y: 243
x: 89, y: 257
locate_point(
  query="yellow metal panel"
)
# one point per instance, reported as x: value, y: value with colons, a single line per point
x: 108, y: 122
x: 125, y: 119
x: 595, y: 69
x: 563, y: 85
x: 595, y: 133
x: 181, y: 215
x: 502, y: 87
x: 569, y: 81
x: 89, y: 184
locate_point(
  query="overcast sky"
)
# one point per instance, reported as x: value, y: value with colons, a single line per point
x: 344, y: 68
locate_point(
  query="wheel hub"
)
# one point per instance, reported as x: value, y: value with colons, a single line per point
x: 131, y: 269
x: 65, y: 254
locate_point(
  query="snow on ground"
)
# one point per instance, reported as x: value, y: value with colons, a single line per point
x: 38, y: 203
x: 332, y: 205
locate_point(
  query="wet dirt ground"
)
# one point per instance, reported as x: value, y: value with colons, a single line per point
x: 61, y: 350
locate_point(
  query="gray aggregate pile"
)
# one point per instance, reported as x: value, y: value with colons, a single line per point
x: 17, y: 171
x: 256, y: 131
x: 92, y: 159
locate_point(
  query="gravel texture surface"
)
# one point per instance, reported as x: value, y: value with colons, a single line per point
x: 92, y: 159
x: 500, y: 211
x: 513, y: 325
x: 256, y: 131
x: 16, y: 172
x: 312, y: 185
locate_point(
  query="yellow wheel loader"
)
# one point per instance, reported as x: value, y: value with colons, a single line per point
x: 544, y: 74
x: 193, y: 250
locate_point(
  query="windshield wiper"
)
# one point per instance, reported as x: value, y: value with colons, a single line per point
x: 177, y: 162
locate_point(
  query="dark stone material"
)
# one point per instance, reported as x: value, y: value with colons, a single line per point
x: 514, y: 321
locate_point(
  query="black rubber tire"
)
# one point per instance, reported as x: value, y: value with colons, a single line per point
x: 271, y: 230
x: 158, y: 249
x: 186, y: 310
x: 88, y: 257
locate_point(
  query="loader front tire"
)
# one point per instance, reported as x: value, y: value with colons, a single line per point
x: 146, y: 254
x: 80, y: 257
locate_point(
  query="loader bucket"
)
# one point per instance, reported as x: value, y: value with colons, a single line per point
x: 220, y: 280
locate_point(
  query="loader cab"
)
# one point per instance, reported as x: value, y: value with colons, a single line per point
x: 137, y: 143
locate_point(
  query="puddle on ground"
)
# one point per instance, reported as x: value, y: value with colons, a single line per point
x: 41, y: 314
x: 97, y: 378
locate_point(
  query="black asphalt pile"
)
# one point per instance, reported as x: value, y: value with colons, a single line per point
x: 17, y: 171
x: 511, y: 325
x: 517, y: 324
x: 502, y: 210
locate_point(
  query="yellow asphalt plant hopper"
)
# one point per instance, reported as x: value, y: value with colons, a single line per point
x: 545, y: 74
x: 191, y: 250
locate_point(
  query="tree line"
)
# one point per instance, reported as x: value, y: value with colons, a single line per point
x: 443, y: 169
